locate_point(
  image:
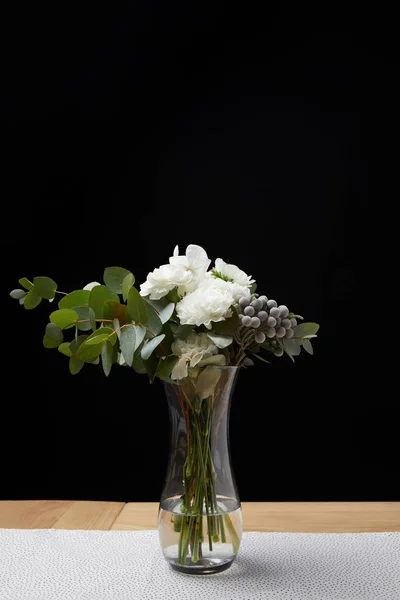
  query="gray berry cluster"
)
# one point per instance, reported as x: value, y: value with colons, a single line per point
x: 271, y: 321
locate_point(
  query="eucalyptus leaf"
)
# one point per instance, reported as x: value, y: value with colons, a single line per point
x: 54, y: 332
x: 107, y: 358
x: 151, y: 345
x: 137, y: 308
x: 163, y: 308
x: 64, y: 348
x: 307, y: 346
x: 305, y: 329
x: 48, y: 342
x: 98, y: 296
x: 127, y: 283
x: 229, y: 326
x: 128, y: 344
x: 75, y: 344
x: 17, y: 294
x: 32, y: 300
x: 86, y: 318
x: 75, y: 298
x: 221, y: 341
x: 100, y: 335
x: 113, y: 278
x: 165, y: 366
x: 117, y: 328
x: 138, y: 365
x: 21, y: 300
x: 248, y: 362
x: 28, y: 285
x: 151, y: 365
x: 45, y: 287
x: 154, y: 324
x: 292, y: 347
x: 75, y: 365
x: 64, y: 317
x: 115, y: 310
x: 140, y: 335
x: 261, y: 358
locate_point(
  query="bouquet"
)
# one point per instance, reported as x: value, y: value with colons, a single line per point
x: 183, y: 324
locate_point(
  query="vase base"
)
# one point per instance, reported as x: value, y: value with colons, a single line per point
x: 203, y: 567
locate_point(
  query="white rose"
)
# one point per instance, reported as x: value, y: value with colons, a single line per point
x: 192, y: 350
x: 163, y: 280
x: 232, y: 273
x: 208, y: 303
x: 196, y: 261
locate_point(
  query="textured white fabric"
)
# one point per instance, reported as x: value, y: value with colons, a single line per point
x: 124, y: 565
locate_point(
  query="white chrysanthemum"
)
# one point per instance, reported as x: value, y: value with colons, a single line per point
x: 163, y: 280
x: 196, y: 261
x: 208, y: 303
x: 192, y: 350
x: 232, y: 273
x: 237, y: 291
x: 91, y: 285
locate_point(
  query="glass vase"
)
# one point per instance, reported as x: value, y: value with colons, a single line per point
x: 200, y: 517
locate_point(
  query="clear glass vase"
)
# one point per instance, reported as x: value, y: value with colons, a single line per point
x: 200, y: 517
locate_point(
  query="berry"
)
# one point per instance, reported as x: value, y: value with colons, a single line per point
x: 284, y: 311
x: 289, y: 334
x: 246, y: 321
x: 280, y: 332
x: 286, y: 323
x: 244, y: 301
x: 275, y: 312
x: 255, y: 322
x: 257, y: 304
x: 270, y: 332
x: 278, y: 351
x: 262, y: 315
x: 271, y: 322
x: 260, y: 337
x: 272, y: 304
x: 278, y: 322
x: 263, y: 299
x: 249, y: 311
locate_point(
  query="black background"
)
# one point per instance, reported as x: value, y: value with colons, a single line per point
x: 129, y: 130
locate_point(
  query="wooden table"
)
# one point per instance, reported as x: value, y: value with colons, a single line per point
x: 257, y: 516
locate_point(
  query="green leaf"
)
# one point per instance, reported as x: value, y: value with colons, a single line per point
x: 75, y: 365
x: 100, y: 335
x: 173, y: 296
x: 140, y: 335
x: 98, y: 296
x: 248, y: 362
x: 75, y: 344
x: 305, y: 329
x: 65, y: 349
x: 28, y: 285
x: 115, y: 310
x: 128, y: 344
x: 308, y: 347
x: 165, y: 366
x: 151, y: 345
x: 260, y: 358
x: 32, y: 300
x: 64, y: 317
x: 86, y: 317
x: 137, y: 308
x: 163, y: 308
x: 151, y: 365
x: 54, y: 332
x: 253, y: 288
x: 17, y: 294
x: 292, y: 315
x: 127, y: 283
x: 117, y: 328
x: 292, y: 347
x: 154, y: 324
x: 107, y: 358
x: 45, y: 287
x: 75, y: 298
x: 138, y: 365
x: 221, y: 341
x: 48, y: 342
x: 229, y: 326
x: 21, y: 300
x: 114, y: 276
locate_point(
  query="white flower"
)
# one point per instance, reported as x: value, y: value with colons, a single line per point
x: 237, y: 291
x: 208, y: 303
x: 91, y: 285
x: 196, y: 261
x: 163, y: 280
x: 232, y: 273
x: 192, y: 350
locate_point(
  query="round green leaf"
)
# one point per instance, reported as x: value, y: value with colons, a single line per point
x: 17, y: 294
x: 107, y: 358
x: 65, y: 349
x: 75, y: 365
x: 64, y: 317
x: 49, y: 343
x: 86, y: 318
x: 115, y: 310
x: 74, y: 345
x: 137, y: 308
x: 98, y: 296
x: 54, y: 332
x: 113, y: 278
x: 151, y: 345
x: 45, y: 287
x: 28, y: 285
x: 75, y: 298
x: 32, y: 299
x: 305, y: 329
x: 127, y: 282
x: 102, y: 334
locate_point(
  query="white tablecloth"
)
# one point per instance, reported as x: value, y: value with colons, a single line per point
x: 123, y: 565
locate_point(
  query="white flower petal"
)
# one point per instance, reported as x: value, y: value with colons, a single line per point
x: 176, y: 250
x: 91, y: 285
x: 180, y: 370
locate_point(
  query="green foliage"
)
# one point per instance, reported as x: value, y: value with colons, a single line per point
x: 128, y: 343
x: 107, y: 357
x: 163, y: 308
x: 86, y: 318
x: 114, y: 276
x: 92, y: 345
x: 291, y: 347
x: 17, y: 294
x: 32, y: 299
x: 151, y: 365
x: 221, y: 341
x: 98, y: 296
x: 308, y: 346
x: 64, y: 348
x: 137, y: 308
x: 76, y: 298
x: 154, y: 324
x: 150, y: 346
x: 48, y: 342
x: 63, y: 318
x: 138, y: 365
x: 127, y: 283
x: 75, y: 365
x: 54, y: 333
x: 229, y: 326
x: 28, y: 285
x: 45, y: 287
x: 115, y: 310
x: 305, y: 329
x: 165, y: 366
